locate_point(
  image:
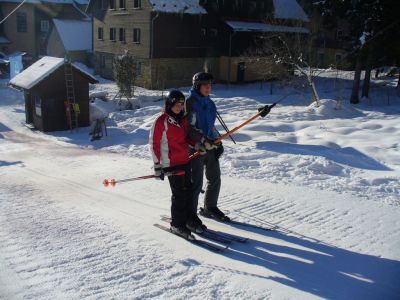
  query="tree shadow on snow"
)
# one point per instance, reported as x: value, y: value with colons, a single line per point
x: 317, y: 268
x: 4, y: 163
x: 3, y: 128
x: 345, y: 156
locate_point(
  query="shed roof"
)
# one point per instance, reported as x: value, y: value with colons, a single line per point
x: 4, y: 40
x: 75, y: 34
x: 40, y: 70
x: 262, y: 27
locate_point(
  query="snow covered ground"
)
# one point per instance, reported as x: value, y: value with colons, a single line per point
x: 327, y: 175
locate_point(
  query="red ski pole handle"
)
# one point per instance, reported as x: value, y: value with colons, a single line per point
x: 111, y: 182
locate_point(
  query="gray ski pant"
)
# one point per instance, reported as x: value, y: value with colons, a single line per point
x: 210, y: 163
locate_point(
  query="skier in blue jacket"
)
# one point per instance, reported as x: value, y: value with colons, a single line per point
x: 202, y: 114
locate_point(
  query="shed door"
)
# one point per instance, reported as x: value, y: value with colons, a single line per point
x: 240, y: 72
x: 29, y: 107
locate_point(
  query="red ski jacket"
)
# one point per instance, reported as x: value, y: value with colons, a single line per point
x: 168, y: 141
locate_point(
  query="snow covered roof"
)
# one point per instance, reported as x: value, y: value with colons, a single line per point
x: 41, y: 1
x: 178, y: 6
x: 39, y: 71
x: 75, y: 35
x: 262, y: 27
x: 289, y: 9
x: 4, y: 40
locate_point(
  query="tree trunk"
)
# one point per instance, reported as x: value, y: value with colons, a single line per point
x: 367, y: 77
x: 356, y: 81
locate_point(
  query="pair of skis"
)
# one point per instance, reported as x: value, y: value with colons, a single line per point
x: 216, y: 236
x: 234, y: 222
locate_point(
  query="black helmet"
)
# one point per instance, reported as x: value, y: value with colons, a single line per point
x: 201, y: 78
x: 173, y: 97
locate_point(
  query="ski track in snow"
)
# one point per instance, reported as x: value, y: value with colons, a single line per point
x: 59, y: 253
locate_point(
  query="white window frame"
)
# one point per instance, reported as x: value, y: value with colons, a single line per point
x: 115, y: 4
x: 122, y: 7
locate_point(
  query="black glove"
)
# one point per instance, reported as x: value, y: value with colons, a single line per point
x: 158, y: 172
x: 219, y: 151
x: 264, y: 110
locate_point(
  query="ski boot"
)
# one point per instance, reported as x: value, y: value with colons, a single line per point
x: 182, y: 231
x: 196, y: 225
x: 214, y: 213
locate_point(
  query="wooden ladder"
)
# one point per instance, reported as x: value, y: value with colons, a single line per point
x: 72, y: 114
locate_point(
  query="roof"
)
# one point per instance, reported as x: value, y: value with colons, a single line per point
x: 289, y: 9
x: 262, y: 27
x: 49, y: 1
x: 75, y: 35
x: 4, y: 40
x: 40, y: 70
x: 178, y: 6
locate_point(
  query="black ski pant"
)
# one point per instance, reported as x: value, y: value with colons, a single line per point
x: 182, y: 197
x: 210, y: 163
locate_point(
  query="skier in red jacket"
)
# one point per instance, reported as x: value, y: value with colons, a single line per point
x: 169, y: 148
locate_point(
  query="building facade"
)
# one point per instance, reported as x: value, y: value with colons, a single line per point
x: 172, y: 40
x: 28, y: 29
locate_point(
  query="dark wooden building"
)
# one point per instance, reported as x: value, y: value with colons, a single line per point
x: 45, y: 88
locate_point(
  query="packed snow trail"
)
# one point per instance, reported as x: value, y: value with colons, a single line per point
x: 63, y: 235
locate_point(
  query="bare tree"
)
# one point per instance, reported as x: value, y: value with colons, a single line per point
x: 289, y: 51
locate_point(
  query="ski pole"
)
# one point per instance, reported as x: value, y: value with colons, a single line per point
x: 114, y: 182
x: 262, y: 112
x: 223, y: 124
x: 174, y: 171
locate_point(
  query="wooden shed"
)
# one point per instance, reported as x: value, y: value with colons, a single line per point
x: 56, y: 94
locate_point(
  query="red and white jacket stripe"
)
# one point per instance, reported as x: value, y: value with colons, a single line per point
x: 168, y: 141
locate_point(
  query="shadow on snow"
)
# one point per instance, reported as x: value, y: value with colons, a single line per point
x: 345, y: 156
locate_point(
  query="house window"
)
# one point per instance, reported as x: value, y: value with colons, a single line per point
x: 122, y: 35
x: 339, y: 34
x: 113, y: 33
x: 252, y: 7
x: 338, y: 58
x: 138, y: 69
x: 21, y: 22
x: 112, y: 4
x: 102, y: 61
x: 136, y: 35
x: 137, y: 3
x: 38, y: 105
x: 213, y: 32
x: 44, y: 25
x: 203, y: 32
x: 122, y: 4
x: 100, y: 33
x: 321, y: 58
x: 103, y: 4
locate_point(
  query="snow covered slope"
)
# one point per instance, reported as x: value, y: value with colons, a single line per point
x: 328, y: 178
